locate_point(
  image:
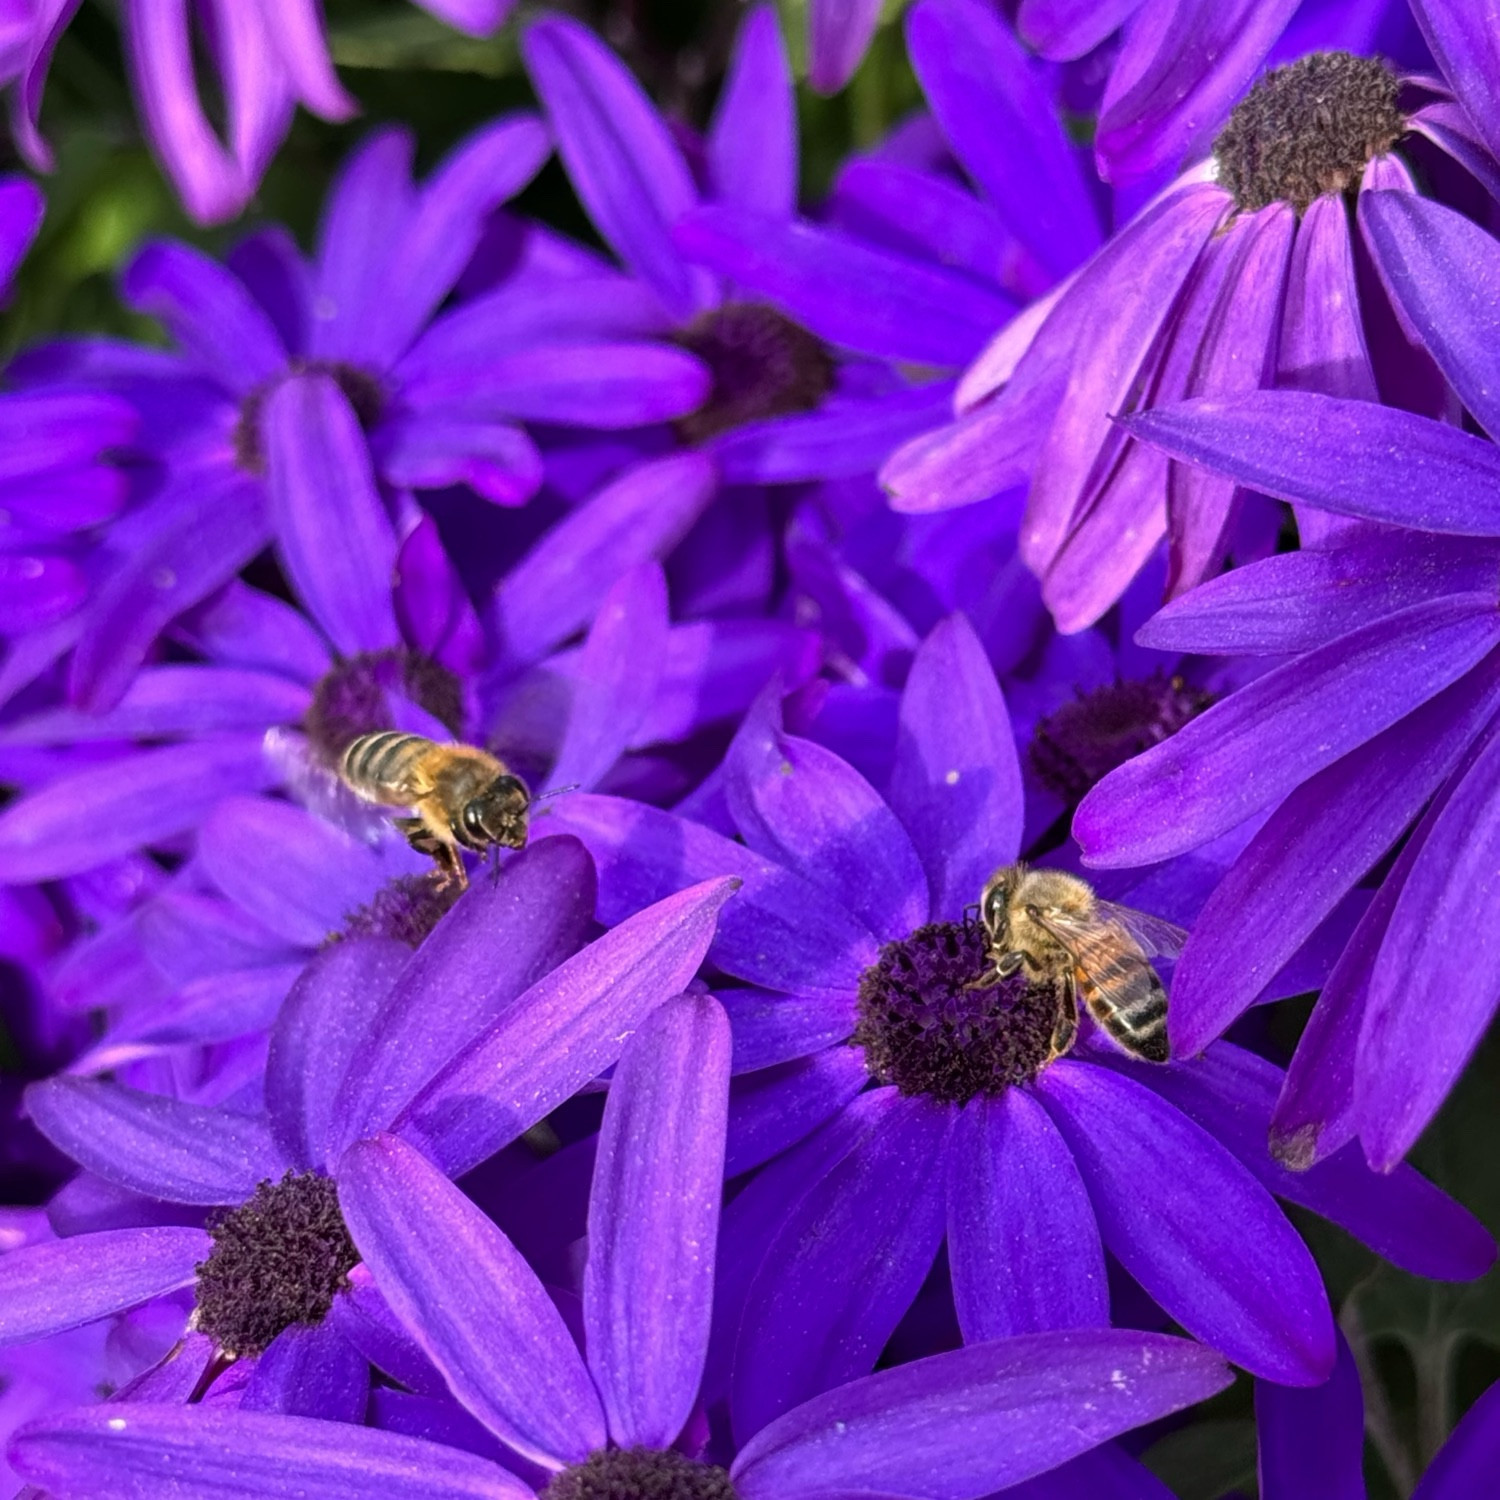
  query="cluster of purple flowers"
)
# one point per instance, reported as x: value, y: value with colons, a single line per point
x: 1099, y: 476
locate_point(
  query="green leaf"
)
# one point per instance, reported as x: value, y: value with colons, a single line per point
x: 1208, y: 1460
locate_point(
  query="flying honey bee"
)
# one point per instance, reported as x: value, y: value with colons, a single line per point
x: 1054, y: 925
x: 460, y: 797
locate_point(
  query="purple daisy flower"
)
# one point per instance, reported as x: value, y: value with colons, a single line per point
x: 1240, y: 275
x: 370, y: 1034
x: 622, y: 1420
x: 944, y: 1119
x: 1389, y: 639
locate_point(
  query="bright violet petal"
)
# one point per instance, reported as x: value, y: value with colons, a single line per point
x: 752, y: 140
x: 956, y: 785
x: 256, y: 100
x: 41, y: 430
x: 963, y: 1424
x: 1445, y: 273
x: 565, y: 1030
x: 838, y: 35
x: 335, y: 538
x: 210, y: 1453
x: 1466, y: 43
x: 1335, y: 455
x: 844, y: 1267
x: 1434, y: 985
x: 1063, y: 30
x: 330, y: 1010
x: 1250, y: 750
x: 1198, y: 1232
x: 295, y: 27
x: 847, y: 292
x: 427, y: 451
x: 1023, y: 1246
x: 771, y: 1028
x: 648, y: 1284
x: 63, y: 1284
x: 619, y: 154
x: 38, y: 590
x: 992, y: 103
x: 1310, y: 1443
x: 1466, y: 1463
x: 21, y: 209
x: 555, y: 590
x: 310, y: 1372
x: 470, y: 1300
x: 160, y: 1147
x: 780, y: 931
x: 364, y: 1317
x: 476, y: 17
x: 461, y: 979
x: 1183, y: 64
x: 83, y: 819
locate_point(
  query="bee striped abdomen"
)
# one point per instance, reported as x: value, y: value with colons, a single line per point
x: 1125, y: 997
x: 377, y: 765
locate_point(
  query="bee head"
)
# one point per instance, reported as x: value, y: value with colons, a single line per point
x: 498, y: 815
x: 994, y: 904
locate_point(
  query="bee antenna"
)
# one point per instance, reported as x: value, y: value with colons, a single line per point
x: 557, y: 791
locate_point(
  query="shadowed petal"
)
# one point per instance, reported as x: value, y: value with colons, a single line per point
x: 152, y: 1144
x: 956, y: 784
x: 1193, y: 1226
x: 310, y: 1372
x: 752, y: 139
x: 1062, y: 30
x: 1311, y: 1442
x: 471, y: 1301
x: 21, y: 209
x: 1023, y: 1246
x: 619, y: 154
x: 778, y: 1106
x: 335, y: 538
x: 210, y: 1453
x: 1466, y: 43
x: 771, y: 1028
x: 1466, y: 1463
x: 838, y: 35
x: 38, y: 590
x: 566, y: 1029
x: 83, y: 820
x: 361, y: 1313
x: 461, y: 979
x: 427, y: 451
x: 1250, y: 750
x: 959, y: 1425
x: 844, y: 1267
x: 59, y: 429
x: 432, y: 605
x: 654, y: 1219
x: 62, y: 1284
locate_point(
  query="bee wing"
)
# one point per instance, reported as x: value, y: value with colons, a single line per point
x: 318, y: 789
x: 1089, y: 941
x: 1153, y: 935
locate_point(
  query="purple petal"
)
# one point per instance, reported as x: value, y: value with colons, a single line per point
x: 1335, y: 455
x: 780, y: 930
x: 844, y: 1267
x: 1444, y: 271
x: 648, y: 1284
x: 159, y: 51
x: 1183, y: 65
x: 1451, y: 128
x: 1466, y: 43
x: 617, y: 675
x: 812, y: 812
x: 83, y: 820
x: 752, y: 140
x: 770, y: 1028
x: 470, y: 1300
x: 1466, y: 1463
x: 847, y: 292
x: 331, y: 1009
x: 1284, y: 884
x: 1023, y: 1246
x: 838, y: 36
x: 161, y: 1147
x: 363, y: 1316
x: 426, y: 451
x: 1311, y: 1443
x: 207, y: 1453
x: 1250, y: 750
x: 461, y: 979
x: 956, y: 784
x: 556, y: 589
x: 302, y: 50
x: 310, y: 1372
x: 1434, y: 985
x: 41, y: 430
x: 1402, y: 1216
x: 335, y: 538
x: 37, y: 591
x: 565, y: 1030
x: 62, y: 1284
x: 780, y: 1105
x: 242, y: 627
x: 979, y: 1419
x: 1198, y: 1232
x: 993, y: 106
x: 21, y: 209
x: 1063, y: 30
x: 432, y: 605
x: 256, y: 99
x: 619, y: 154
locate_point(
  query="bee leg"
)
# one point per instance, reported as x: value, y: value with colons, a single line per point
x: 451, y: 868
x: 1002, y: 968
x: 450, y: 865
x: 1065, y: 1031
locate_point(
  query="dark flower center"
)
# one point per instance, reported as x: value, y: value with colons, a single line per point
x: 352, y: 697
x: 277, y: 1259
x: 923, y: 1029
x: 361, y: 388
x: 763, y: 365
x: 1307, y: 129
x: 1083, y: 741
x: 406, y: 908
x: 640, y: 1474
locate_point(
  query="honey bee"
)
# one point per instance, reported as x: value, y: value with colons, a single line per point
x: 460, y: 797
x: 1054, y: 925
